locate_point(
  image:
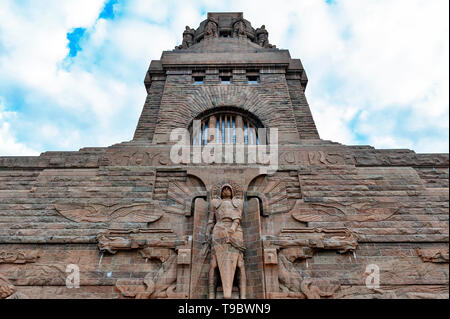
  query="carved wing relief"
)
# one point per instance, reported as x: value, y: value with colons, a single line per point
x: 99, y: 213
x: 273, y: 195
x: 180, y: 195
x: 358, y: 212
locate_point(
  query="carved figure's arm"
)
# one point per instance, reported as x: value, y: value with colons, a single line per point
x: 211, y: 221
x: 235, y: 224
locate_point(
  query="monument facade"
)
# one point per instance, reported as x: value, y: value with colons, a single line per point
x: 315, y: 219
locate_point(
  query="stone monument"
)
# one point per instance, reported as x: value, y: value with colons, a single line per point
x: 140, y: 220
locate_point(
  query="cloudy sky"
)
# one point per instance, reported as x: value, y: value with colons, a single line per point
x: 71, y: 71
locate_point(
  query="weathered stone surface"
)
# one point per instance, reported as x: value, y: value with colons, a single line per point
x: 433, y: 255
x: 18, y: 257
x: 97, y: 213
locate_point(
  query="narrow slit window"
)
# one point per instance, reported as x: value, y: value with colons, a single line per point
x: 245, y: 134
x: 198, y: 79
x: 225, y: 79
x: 206, y: 134
x: 252, y: 79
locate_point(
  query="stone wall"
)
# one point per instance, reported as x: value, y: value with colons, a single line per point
x: 53, y: 216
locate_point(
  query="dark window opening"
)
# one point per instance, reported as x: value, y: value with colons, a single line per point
x: 225, y: 79
x: 252, y: 79
x: 226, y: 128
x: 198, y: 79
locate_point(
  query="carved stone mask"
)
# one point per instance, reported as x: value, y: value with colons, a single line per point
x: 226, y: 192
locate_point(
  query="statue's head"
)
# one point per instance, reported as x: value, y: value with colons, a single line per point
x: 227, y: 193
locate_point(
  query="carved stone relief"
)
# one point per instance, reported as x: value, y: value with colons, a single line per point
x: 272, y: 194
x: 410, y: 292
x: 115, y: 240
x: 168, y: 250
x: 239, y: 29
x: 226, y: 239
x: 160, y: 157
x: 373, y: 157
x: 99, y: 213
x: 315, y: 158
x: 285, y: 280
x: 159, y: 284
x: 9, y: 291
x: 433, y: 255
x: 136, y: 157
x: 293, y: 284
x: 188, y: 38
x: 6, y: 288
x: 263, y: 37
x: 211, y: 30
x: 180, y: 195
x: 18, y: 257
x: 40, y: 275
x: 359, y: 212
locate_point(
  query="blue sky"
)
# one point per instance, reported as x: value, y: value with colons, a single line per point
x: 71, y: 72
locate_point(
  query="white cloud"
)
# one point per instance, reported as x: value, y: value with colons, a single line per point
x: 154, y: 10
x: 389, y: 57
x: 335, y: 118
x: 9, y: 146
x: 377, y: 69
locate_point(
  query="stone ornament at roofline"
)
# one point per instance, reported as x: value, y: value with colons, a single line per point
x: 239, y: 27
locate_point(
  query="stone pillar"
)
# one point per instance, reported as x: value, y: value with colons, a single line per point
x: 212, y: 122
x: 200, y: 252
x: 239, y: 130
x: 184, y: 270
x: 271, y: 273
x: 253, y: 255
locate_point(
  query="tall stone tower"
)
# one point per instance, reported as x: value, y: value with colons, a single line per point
x: 147, y: 219
x: 236, y: 68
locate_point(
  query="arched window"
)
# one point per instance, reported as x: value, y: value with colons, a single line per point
x: 226, y: 126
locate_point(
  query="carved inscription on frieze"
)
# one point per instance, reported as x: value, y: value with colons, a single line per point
x: 161, y: 157
x: 315, y: 158
x: 137, y: 157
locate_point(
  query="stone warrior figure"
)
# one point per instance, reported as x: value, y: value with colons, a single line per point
x: 188, y: 38
x: 263, y: 37
x: 239, y: 29
x: 211, y: 30
x: 227, y: 243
